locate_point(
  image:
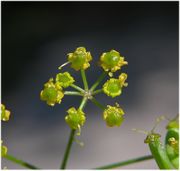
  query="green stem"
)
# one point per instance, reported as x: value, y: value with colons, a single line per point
x: 77, y: 87
x: 97, y: 91
x: 127, y: 162
x: 83, y: 103
x: 68, y: 148
x: 98, y: 81
x: 71, y: 138
x: 84, y: 79
x: 20, y: 162
x: 73, y: 93
x: 98, y: 104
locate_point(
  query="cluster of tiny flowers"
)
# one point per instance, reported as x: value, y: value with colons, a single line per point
x: 113, y: 87
x: 111, y: 62
x: 75, y: 118
x: 79, y: 59
x: 113, y: 115
x: 53, y: 90
x: 5, y: 115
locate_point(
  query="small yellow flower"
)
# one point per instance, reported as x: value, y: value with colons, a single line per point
x: 79, y: 59
x: 75, y: 118
x: 122, y: 79
x: 112, y: 87
x: 113, y: 115
x: 52, y: 93
x: 112, y: 61
x: 64, y: 79
x: 5, y: 114
x: 3, y: 150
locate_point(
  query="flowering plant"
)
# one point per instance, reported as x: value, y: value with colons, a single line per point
x: 55, y: 90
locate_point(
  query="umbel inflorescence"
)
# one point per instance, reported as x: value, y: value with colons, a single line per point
x: 54, y: 90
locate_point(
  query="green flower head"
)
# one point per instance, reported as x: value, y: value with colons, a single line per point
x: 64, y: 79
x: 113, y: 116
x: 112, y: 61
x: 75, y: 118
x: 52, y: 93
x: 3, y: 150
x: 79, y: 59
x: 5, y: 114
x: 112, y: 87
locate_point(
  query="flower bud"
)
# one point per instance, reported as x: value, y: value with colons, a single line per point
x: 75, y: 118
x: 80, y: 59
x: 112, y: 61
x: 113, y: 116
x: 64, y: 79
x: 5, y: 114
x: 52, y: 93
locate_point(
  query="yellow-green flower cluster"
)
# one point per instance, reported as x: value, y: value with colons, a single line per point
x: 3, y: 150
x: 113, y: 87
x: 113, y: 115
x: 64, y: 79
x: 53, y: 90
x: 52, y: 93
x: 75, y: 118
x: 112, y: 61
x: 79, y: 59
x: 5, y: 114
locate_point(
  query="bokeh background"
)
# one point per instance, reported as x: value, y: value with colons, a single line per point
x: 36, y: 36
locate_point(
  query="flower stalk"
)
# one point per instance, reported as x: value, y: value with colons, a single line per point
x: 127, y: 162
x: 73, y: 93
x: 98, y: 81
x: 19, y: 162
x: 84, y: 79
x: 71, y: 138
x: 77, y: 87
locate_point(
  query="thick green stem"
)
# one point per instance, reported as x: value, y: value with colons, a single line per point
x: 98, y: 81
x: 77, y: 87
x: 71, y: 138
x: 84, y: 79
x: 98, y: 104
x: 73, y: 93
x: 127, y: 162
x: 20, y: 162
x: 97, y: 91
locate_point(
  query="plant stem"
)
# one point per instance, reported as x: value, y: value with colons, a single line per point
x: 71, y: 138
x: 72, y: 93
x: 127, y: 162
x: 97, y: 91
x: 98, y: 104
x: 20, y: 162
x: 98, y: 81
x: 68, y: 148
x: 83, y: 103
x: 77, y: 88
x: 84, y: 79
